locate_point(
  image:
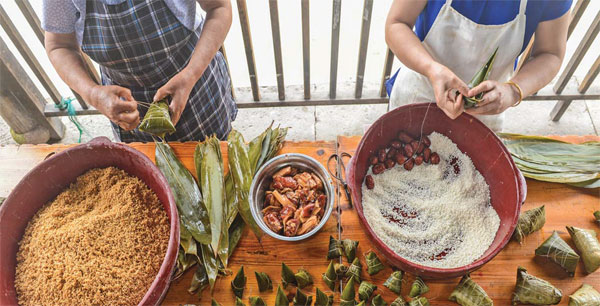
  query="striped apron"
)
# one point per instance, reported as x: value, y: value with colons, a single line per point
x: 140, y: 45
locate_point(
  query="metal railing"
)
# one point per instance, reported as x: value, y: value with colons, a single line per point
x: 564, y: 98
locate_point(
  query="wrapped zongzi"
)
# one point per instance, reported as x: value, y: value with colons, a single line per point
x: 239, y: 302
x: 257, y: 301
x: 301, y: 299
x: 303, y: 278
x: 560, y: 252
x: 533, y: 290
x: 348, y: 294
x: 335, y: 248
x: 340, y: 270
x: 238, y: 283
x: 374, y: 265
x: 264, y: 281
x: 287, y: 276
x: 354, y: 270
x: 587, y: 243
x: 281, y: 299
x: 585, y: 296
x: 350, y: 247
x: 157, y: 120
x: 420, y: 301
x: 329, y: 277
x: 399, y: 301
x: 469, y: 293
x: 529, y: 222
x: 213, y: 302
x: 321, y: 299
x: 418, y: 288
x: 394, y: 282
x: 378, y: 301
x: 365, y: 290
x: 597, y: 216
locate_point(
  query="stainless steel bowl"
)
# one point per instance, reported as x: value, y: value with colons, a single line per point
x: 262, y: 179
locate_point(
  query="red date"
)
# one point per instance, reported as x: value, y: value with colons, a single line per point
x: 408, y: 165
x: 408, y: 150
x: 418, y: 160
x: 392, y: 153
x: 400, y: 159
x: 426, y: 154
x: 435, y: 158
x: 396, y: 144
x: 381, y: 155
x: 389, y: 164
x: 378, y: 169
x: 374, y: 160
x: 405, y: 138
x: 425, y: 140
x: 370, y: 182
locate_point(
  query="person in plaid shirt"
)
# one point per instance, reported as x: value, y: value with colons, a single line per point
x: 147, y: 50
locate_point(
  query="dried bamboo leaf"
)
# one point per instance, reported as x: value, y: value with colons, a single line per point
x: 239, y: 168
x: 335, y: 248
x: 321, y: 299
x: 365, y: 290
x: 418, y: 288
x: 354, y: 270
x: 348, y: 294
x: 239, y: 283
x: 394, y: 282
x: 529, y: 222
x: 469, y: 293
x: 264, y: 281
x: 257, y: 301
x: 587, y: 243
x: 209, y: 168
x: 378, y: 301
x: 420, y: 301
x: 301, y: 299
x: 329, y: 277
x: 192, y: 212
x: 533, y: 290
x: 560, y: 252
x: 287, y: 276
x: 481, y: 75
x: 399, y: 301
x: 157, y: 120
x: 239, y: 302
x: 350, y: 247
x: 585, y: 296
x: 211, y: 263
x: 199, y: 280
x: 374, y: 265
x: 281, y: 298
x: 303, y: 278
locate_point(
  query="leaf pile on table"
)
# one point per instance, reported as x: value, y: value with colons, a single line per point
x: 214, y: 210
x: 551, y: 160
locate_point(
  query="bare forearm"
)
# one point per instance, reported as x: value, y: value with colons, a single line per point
x: 537, y: 73
x: 70, y: 67
x: 213, y: 35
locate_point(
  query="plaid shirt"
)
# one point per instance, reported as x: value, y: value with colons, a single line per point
x: 141, y: 46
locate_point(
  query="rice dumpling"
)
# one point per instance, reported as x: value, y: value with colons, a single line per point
x: 214, y: 303
x: 303, y: 278
x: 533, y: 290
x: 239, y: 302
x: 529, y: 222
x: 264, y: 281
x: 239, y: 282
x: 560, y: 252
x: 394, y: 282
x: 335, y: 248
x: 348, y: 294
x: 340, y: 270
x: 257, y: 301
x: 287, y: 276
x: 585, y: 296
x: 157, y: 120
x: 329, y: 277
x: 365, y: 290
x: 399, y: 301
x: 301, y: 299
x: 418, y: 288
x: 469, y: 293
x: 481, y: 75
x: 321, y: 299
x: 378, y: 301
x: 350, y: 247
x: 354, y: 270
x: 281, y: 299
x: 374, y: 265
x: 597, y: 216
x: 587, y: 243
x: 420, y: 301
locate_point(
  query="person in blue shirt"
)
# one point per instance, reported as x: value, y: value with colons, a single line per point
x: 453, y: 39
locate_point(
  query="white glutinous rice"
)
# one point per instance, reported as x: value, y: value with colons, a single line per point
x: 434, y: 215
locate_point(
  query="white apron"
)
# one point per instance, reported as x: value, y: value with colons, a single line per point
x: 463, y: 46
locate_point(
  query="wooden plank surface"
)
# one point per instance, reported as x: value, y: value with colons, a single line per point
x: 564, y: 206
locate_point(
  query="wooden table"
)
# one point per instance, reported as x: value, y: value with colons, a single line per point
x: 564, y: 206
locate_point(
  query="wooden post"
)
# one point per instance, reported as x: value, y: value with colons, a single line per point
x: 22, y: 105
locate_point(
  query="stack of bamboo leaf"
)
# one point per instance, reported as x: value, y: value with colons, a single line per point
x: 214, y: 210
x: 551, y: 160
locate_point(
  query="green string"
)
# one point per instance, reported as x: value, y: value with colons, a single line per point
x: 66, y: 103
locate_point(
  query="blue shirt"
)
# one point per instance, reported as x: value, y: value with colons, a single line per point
x: 495, y: 12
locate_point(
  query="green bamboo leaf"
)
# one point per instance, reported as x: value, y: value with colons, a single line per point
x: 235, y: 233
x: 211, y: 264
x: 481, y: 75
x: 192, y: 212
x: 199, y: 280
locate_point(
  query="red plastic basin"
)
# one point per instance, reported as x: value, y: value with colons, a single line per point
x: 489, y: 155
x: 44, y: 182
